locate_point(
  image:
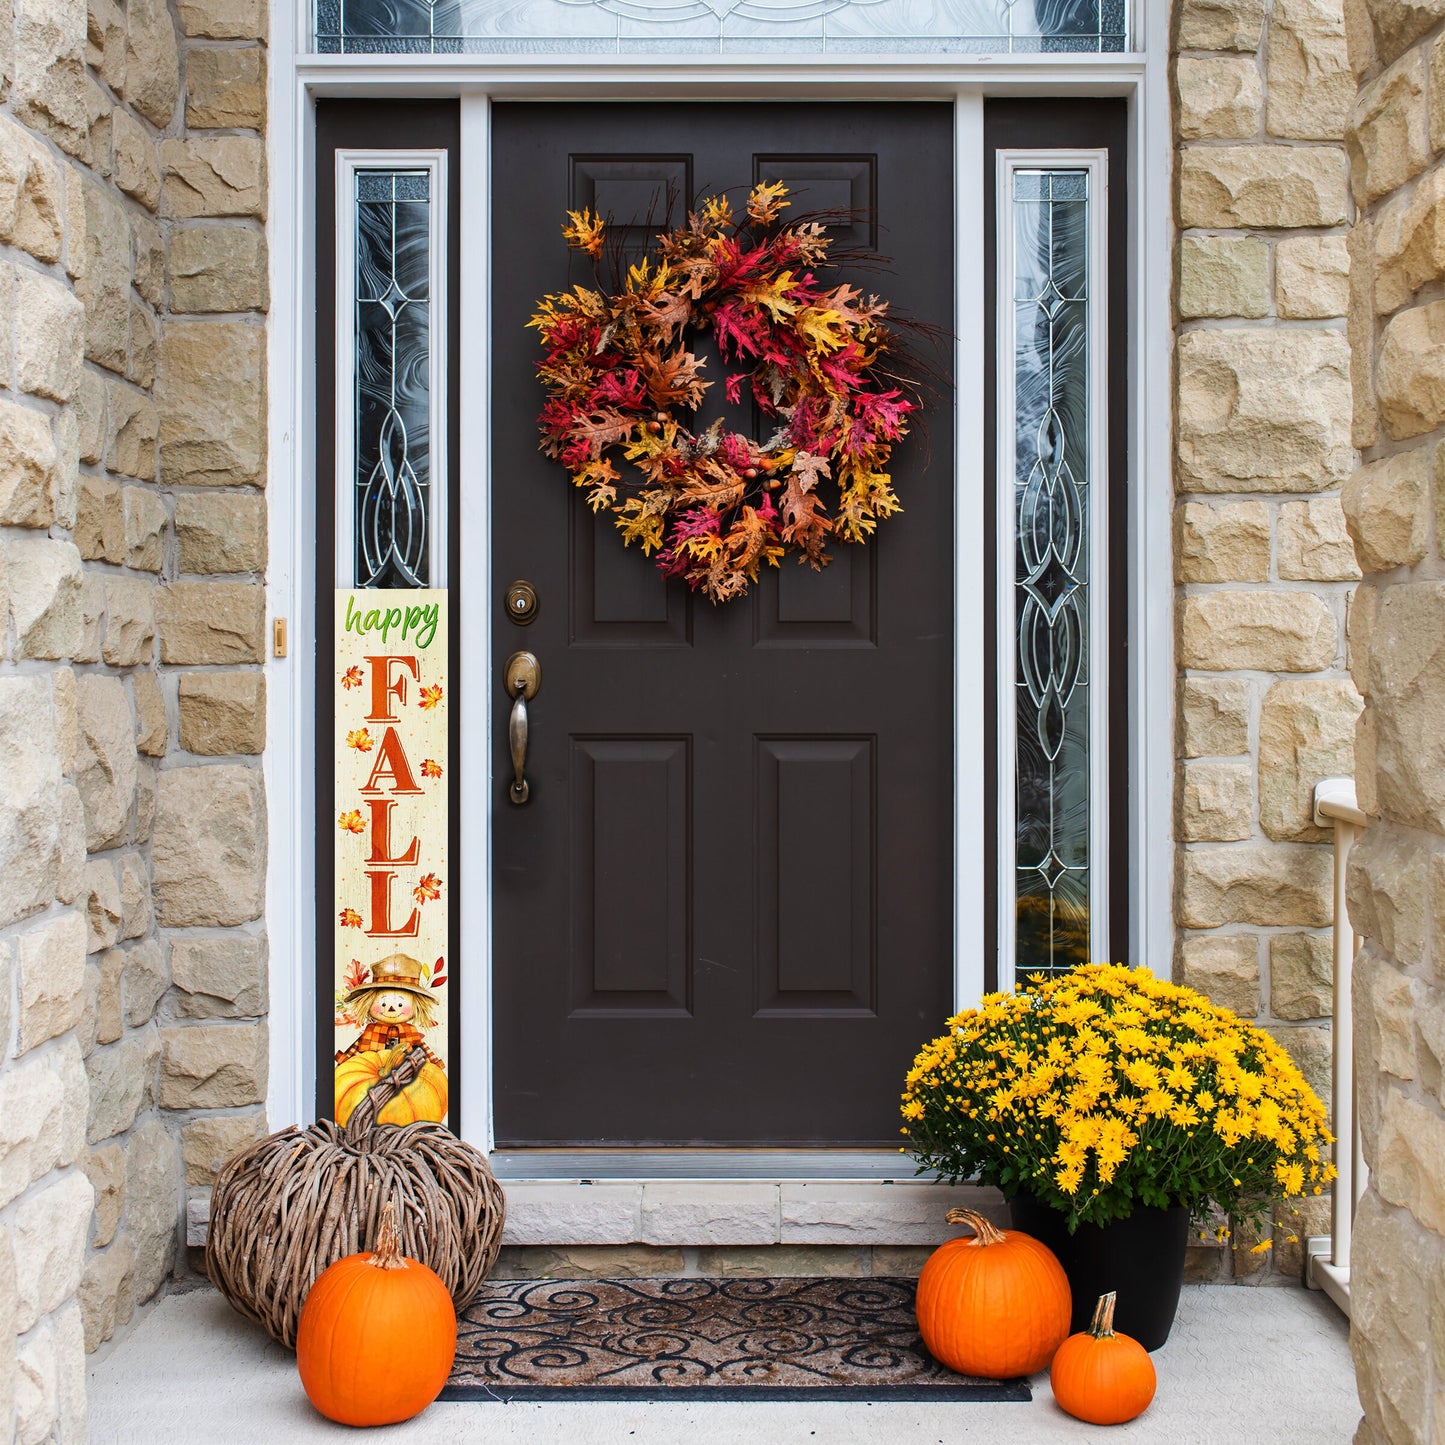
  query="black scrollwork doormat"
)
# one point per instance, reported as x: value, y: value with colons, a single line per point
x: 722, y: 1339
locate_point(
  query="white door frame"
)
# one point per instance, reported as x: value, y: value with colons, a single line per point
x: 298, y: 79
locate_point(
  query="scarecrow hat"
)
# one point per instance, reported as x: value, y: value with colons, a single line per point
x: 397, y: 970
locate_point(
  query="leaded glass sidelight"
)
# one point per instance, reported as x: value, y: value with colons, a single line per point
x: 719, y: 26
x: 1053, y: 509
x: 393, y: 513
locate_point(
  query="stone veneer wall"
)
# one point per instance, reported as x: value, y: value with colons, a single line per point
x: 1263, y: 563
x: 1396, y: 506
x: 132, y: 546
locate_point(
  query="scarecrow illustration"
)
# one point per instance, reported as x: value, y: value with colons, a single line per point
x: 392, y: 1009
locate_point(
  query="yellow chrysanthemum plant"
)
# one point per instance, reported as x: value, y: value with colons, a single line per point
x: 1106, y: 1088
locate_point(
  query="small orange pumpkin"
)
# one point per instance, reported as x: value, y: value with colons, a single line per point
x: 377, y: 1336
x: 424, y: 1098
x: 1100, y: 1376
x: 995, y: 1304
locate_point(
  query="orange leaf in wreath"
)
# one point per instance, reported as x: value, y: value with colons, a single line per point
x: 360, y: 739
x: 350, y: 918
x: 352, y: 822
x: 430, y: 768
x: 429, y: 887
x: 430, y: 697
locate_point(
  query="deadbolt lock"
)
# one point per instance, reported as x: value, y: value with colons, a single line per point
x: 522, y: 603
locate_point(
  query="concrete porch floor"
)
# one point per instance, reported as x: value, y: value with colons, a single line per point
x: 1242, y: 1366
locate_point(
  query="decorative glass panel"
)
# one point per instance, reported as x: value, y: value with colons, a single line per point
x: 634, y: 27
x: 1052, y: 524
x: 393, y: 479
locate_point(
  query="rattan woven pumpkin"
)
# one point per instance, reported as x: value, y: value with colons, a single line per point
x: 297, y: 1201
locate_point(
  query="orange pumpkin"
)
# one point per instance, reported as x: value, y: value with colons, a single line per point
x: 995, y: 1304
x: 377, y: 1336
x: 1102, y: 1377
x: 424, y: 1098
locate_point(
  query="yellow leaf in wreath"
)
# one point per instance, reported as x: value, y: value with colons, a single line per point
x: 823, y: 330
x: 585, y: 231
x: 771, y: 295
x: 717, y: 213
x: 766, y: 203
x: 639, y: 522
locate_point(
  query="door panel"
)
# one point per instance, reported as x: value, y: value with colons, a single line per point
x: 725, y: 915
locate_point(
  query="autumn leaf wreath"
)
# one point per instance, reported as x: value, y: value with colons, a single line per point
x: 712, y: 503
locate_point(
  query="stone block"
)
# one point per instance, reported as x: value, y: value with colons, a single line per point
x: 1301, y: 975
x: 696, y: 1213
x: 52, y: 966
x: 107, y: 1292
x: 130, y: 622
x: 214, y: 176
x: 226, y: 89
x: 30, y: 820
x: 122, y: 1082
x: 145, y: 526
x: 1409, y: 1165
x: 152, y: 1203
x: 1263, y: 411
x: 223, y: 712
x: 1387, y: 890
x: 145, y: 802
x: 101, y: 899
x: 563, y: 1214
x: 105, y: 1168
x: 150, y: 259
x: 152, y: 60
x: 99, y: 532
x: 106, y: 772
x: 49, y: 1232
x: 49, y: 336
x: 1306, y: 732
x: 221, y: 977
x: 102, y: 979
x: 1437, y: 92
x: 88, y: 406
x: 1410, y: 371
x: 137, y: 171
x: 42, y: 1116
x: 1409, y: 243
x: 152, y: 731
x: 104, y: 284
x: 212, y: 623
x: 774, y: 1261
x: 903, y: 1212
x: 223, y: 19
x: 70, y: 876
x: 218, y: 268
x: 1221, y: 542
x: 1311, y: 1050
x: 1216, y: 802
x: 1213, y: 717
x: 1405, y: 686
x: 1360, y: 332
x: 1295, y: 1222
x: 1269, y: 884
x: 1388, y: 135
x: 1387, y: 510
x: 213, y: 1066
x: 1312, y: 277
x: 144, y: 343
x: 1241, y: 187
x: 135, y: 897
x: 130, y: 449
x: 48, y: 89
x: 1312, y: 543
x: 212, y: 397
x: 1309, y: 82
x: 1398, y: 24
x: 44, y: 579
x: 1224, y: 967
x: 589, y: 1261
x: 1218, y: 97
x: 211, y: 1140
x: 27, y: 467
x: 31, y: 190
x: 145, y: 980
x: 1266, y: 631
x: 1216, y: 25
x: 1223, y: 276
x: 209, y: 847
x: 221, y: 532
x: 1364, y: 608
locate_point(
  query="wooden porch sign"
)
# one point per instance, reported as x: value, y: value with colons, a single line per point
x: 393, y: 873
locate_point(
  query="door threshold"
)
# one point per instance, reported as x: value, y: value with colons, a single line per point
x: 876, y: 1166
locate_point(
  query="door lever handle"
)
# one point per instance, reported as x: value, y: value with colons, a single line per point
x: 523, y: 675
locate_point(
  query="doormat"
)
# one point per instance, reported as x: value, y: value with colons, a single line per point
x: 722, y: 1339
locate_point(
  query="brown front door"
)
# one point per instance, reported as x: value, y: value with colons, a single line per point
x: 725, y: 913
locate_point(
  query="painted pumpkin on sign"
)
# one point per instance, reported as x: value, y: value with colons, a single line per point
x: 996, y: 1304
x: 424, y: 1098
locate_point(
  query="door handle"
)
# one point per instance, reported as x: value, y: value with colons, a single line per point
x: 523, y: 674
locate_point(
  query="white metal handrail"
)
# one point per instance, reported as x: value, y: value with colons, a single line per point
x: 1329, y: 1260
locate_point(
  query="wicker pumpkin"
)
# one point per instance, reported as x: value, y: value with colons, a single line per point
x: 996, y: 1304
x: 425, y: 1098
x: 1102, y: 1377
x: 297, y: 1201
x: 377, y: 1336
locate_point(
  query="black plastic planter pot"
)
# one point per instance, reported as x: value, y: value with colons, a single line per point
x: 1141, y: 1258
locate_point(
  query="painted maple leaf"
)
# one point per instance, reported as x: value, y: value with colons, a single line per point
x: 350, y: 918
x: 351, y: 678
x: 360, y: 739
x: 439, y: 973
x: 352, y: 822
x: 428, y: 888
x: 430, y: 697
x: 430, y: 768
x: 357, y: 975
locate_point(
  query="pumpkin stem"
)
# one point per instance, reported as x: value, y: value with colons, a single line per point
x: 387, y: 1253
x: 1102, y: 1325
x: 984, y: 1231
